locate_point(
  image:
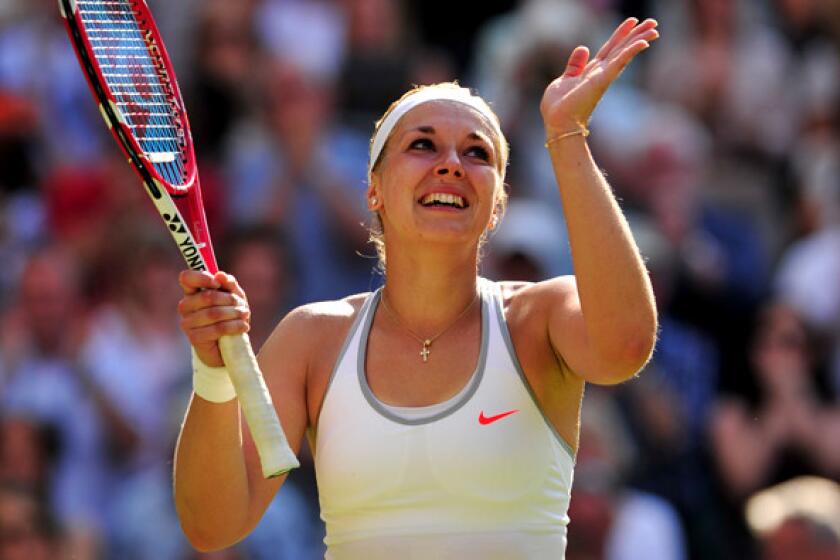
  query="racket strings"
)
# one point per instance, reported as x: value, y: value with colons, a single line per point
x: 133, y: 68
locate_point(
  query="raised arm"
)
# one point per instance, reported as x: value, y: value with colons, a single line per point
x: 603, y: 324
x: 220, y: 493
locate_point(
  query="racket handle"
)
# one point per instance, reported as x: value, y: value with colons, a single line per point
x: 276, y: 457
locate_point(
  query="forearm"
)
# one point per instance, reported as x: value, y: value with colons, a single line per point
x: 614, y: 289
x: 211, y: 481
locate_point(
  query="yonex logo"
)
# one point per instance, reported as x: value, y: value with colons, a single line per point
x: 175, y: 224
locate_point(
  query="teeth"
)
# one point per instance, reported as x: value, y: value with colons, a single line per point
x: 443, y: 198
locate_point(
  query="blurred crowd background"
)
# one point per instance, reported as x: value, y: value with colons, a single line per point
x: 722, y: 143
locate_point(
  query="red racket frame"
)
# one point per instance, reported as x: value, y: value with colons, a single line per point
x: 182, y: 209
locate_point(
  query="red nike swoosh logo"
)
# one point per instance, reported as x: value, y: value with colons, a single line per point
x: 484, y: 420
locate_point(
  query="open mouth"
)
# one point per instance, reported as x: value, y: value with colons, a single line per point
x: 444, y: 200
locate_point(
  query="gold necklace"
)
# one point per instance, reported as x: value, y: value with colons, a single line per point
x: 426, y: 342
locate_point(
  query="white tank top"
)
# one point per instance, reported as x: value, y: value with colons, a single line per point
x: 463, y: 479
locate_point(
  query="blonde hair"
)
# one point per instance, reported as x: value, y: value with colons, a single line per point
x: 376, y: 232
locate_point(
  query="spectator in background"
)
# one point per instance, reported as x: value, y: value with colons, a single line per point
x: 829, y: 10
x: 667, y: 410
x: 788, y: 425
x: 136, y: 356
x: 377, y: 65
x: 735, y: 73
x: 258, y: 257
x: 21, y: 208
x: 27, y: 531
x: 36, y: 64
x: 711, y: 261
x: 40, y: 347
x: 28, y: 453
x: 815, y: 161
x: 455, y: 34
x: 84, y: 205
x: 808, y: 274
x: 802, y: 538
x: 791, y: 426
x: 808, y: 280
x: 799, y: 518
x: 219, y: 93
x: 529, y: 245
x: 737, y: 85
x: 299, y: 173
x: 310, y: 33
x: 613, y: 520
x: 226, y: 49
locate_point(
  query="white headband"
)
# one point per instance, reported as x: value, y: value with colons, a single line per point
x: 461, y: 95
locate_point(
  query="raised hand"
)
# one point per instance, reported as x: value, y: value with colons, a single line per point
x: 212, y: 306
x: 569, y: 100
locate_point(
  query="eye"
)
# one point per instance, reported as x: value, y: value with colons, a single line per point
x: 479, y: 152
x: 421, y: 144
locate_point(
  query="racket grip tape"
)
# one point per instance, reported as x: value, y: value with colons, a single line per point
x: 276, y: 457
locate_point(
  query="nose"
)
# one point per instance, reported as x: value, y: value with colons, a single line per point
x: 448, y: 164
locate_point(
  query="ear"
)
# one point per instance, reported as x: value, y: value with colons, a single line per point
x: 374, y: 199
x: 498, y: 212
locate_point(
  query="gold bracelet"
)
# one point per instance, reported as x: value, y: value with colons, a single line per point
x: 583, y: 131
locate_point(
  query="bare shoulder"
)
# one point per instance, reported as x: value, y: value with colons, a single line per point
x: 322, y: 314
x: 304, y: 347
x: 316, y: 324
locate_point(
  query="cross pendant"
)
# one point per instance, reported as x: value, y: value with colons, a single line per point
x: 425, y: 351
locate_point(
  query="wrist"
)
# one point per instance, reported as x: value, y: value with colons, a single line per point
x: 560, y: 125
x: 555, y: 136
x: 211, y: 383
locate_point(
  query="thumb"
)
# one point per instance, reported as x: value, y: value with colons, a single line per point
x: 577, y: 62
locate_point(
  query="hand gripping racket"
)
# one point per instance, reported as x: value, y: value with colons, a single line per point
x: 122, y: 54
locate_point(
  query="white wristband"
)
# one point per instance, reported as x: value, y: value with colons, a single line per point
x: 211, y: 383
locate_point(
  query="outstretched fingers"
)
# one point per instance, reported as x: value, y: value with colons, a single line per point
x: 620, y: 59
x: 627, y: 35
x: 577, y: 62
x: 621, y: 32
x: 645, y: 31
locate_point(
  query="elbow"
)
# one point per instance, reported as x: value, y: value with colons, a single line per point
x: 639, y: 353
x: 206, y: 532
x: 640, y: 343
x: 206, y: 541
x: 628, y: 358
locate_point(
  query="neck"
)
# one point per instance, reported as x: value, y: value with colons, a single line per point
x: 429, y: 289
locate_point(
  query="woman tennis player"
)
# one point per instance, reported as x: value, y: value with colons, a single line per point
x: 442, y: 409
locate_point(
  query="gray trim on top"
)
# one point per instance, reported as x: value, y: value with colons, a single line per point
x: 344, y: 346
x: 503, y: 328
x: 471, y: 386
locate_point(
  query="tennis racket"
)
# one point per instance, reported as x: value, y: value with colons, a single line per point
x: 122, y: 54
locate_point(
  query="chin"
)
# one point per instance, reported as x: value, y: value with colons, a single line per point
x: 451, y: 234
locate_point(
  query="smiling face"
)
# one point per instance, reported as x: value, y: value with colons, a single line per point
x: 440, y: 175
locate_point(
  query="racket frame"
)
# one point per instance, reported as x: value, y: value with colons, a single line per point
x: 174, y: 203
